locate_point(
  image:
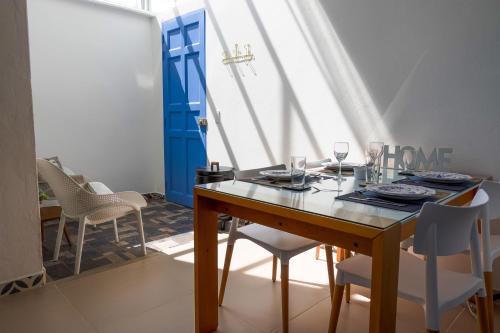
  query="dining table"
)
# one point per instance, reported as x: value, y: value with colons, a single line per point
x: 319, y: 214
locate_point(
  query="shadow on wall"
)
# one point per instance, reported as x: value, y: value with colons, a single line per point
x: 244, y: 93
x: 434, y: 78
x: 212, y: 107
x: 289, y: 95
x: 328, y: 33
x: 339, y: 71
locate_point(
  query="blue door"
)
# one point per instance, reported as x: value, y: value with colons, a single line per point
x: 184, y: 104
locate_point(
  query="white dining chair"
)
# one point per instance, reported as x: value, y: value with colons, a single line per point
x: 490, y: 242
x: 89, y: 208
x: 282, y: 245
x: 440, y: 231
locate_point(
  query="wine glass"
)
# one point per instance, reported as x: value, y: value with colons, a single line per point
x: 409, y: 160
x: 340, y: 149
x: 298, y: 171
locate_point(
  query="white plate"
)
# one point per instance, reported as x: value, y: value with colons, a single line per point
x: 442, y: 177
x: 278, y: 174
x: 401, y: 191
x: 347, y: 166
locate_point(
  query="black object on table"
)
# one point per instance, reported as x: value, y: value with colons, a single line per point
x: 212, y: 174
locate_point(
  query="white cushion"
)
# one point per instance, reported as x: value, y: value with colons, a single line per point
x: 98, y: 188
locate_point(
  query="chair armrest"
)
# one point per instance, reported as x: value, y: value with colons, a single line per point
x: 133, y: 197
x: 90, y: 203
x: 127, y: 198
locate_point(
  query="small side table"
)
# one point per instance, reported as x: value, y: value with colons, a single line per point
x: 50, y: 210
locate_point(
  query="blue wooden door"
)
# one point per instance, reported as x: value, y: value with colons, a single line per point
x: 184, y: 104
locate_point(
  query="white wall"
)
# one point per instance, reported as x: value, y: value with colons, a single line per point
x: 406, y: 72
x: 417, y: 72
x: 95, y: 95
x: 20, y: 243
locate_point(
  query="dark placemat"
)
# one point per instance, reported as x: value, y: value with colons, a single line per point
x: 335, y: 171
x: 413, y: 180
x: 286, y: 184
x: 410, y: 206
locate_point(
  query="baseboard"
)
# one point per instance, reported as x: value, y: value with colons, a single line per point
x: 23, y: 284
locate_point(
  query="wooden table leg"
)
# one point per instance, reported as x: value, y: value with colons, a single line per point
x: 384, y: 289
x: 340, y: 254
x: 205, y: 266
x: 330, y: 268
x: 347, y: 255
x: 482, y: 314
x: 488, y: 281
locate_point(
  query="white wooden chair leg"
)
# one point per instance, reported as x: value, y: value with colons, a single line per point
x: 60, y: 231
x: 117, y: 238
x: 79, y: 245
x: 141, y: 232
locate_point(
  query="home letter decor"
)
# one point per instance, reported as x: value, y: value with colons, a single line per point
x: 438, y: 159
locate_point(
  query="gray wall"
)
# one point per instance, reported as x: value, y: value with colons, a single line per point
x: 20, y: 244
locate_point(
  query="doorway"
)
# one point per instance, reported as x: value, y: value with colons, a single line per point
x: 184, y: 104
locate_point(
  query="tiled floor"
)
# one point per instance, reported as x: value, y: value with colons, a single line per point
x: 155, y: 294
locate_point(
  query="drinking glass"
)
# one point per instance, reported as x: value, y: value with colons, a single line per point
x: 298, y: 171
x: 374, y: 151
x: 369, y: 161
x: 409, y: 160
x: 341, y: 149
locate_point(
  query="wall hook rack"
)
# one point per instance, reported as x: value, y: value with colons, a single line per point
x: 237, y: 56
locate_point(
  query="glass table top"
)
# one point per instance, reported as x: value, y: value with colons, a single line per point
x: 324, y: 202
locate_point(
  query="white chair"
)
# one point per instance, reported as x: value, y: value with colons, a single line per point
x: 89, y: 208
x: 491, y: 243
x: 440, y: 231
x: 281, y: 244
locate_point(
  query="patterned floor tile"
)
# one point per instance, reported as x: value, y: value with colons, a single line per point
x: 161, y: 220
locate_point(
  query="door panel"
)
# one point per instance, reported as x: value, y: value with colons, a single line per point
x: 184, y: 102
x: 193, y: 79
x: 175, y: 84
